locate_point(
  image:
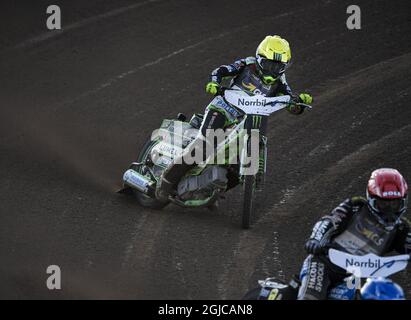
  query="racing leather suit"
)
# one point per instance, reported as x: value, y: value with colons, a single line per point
x: 219, y: 115
x: 352, y: 228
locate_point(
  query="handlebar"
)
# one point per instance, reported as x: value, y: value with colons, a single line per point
x: 221, y: 90
x: 304, y: 105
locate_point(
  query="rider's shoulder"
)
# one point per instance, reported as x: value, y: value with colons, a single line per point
x: 357, y: 201
x: 350, y: 206
x: 249, y: 60
x: 283, y: 79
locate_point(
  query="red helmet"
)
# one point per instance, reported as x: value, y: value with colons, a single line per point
x: 387, y: 196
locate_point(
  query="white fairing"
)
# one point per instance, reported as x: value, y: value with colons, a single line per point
x: 369, y: 265
x: 257, y: 104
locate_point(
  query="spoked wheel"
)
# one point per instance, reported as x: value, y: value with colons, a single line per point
x: 249, y: 195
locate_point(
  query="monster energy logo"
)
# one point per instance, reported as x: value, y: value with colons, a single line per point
x: 257, y: 121
x: 277, y: 56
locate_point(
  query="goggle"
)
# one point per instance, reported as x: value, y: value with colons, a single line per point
x: 389, y: 206
x: 272, y: 68
x: 389, y: 209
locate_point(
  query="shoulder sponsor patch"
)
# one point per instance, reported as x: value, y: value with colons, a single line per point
x: 249, y: 60
x: 221, y: 104
x: 231, y: 67
x: 238, y: 64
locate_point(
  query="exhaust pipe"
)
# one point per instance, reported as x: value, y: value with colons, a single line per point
x: 137, y: 181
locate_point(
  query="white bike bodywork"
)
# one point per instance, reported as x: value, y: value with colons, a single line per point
x: 257, y: 104
x: 369, y: 265
x: 242, y: 148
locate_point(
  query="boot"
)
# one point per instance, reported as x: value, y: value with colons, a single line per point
x: 170, y: 179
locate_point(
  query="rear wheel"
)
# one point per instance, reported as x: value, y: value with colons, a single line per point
x: 143, y: 199
x: 249, y: 193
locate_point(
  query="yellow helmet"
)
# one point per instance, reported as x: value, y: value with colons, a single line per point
x: 273, y: 56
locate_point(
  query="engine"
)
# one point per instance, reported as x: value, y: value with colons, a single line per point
x: 201, y: 186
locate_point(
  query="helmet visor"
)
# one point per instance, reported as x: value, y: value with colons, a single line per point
x: 389, y: 209
x: 272, y: 68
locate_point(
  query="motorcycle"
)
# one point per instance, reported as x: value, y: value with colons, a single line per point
x: 374, y: 269
x: 203, y: 185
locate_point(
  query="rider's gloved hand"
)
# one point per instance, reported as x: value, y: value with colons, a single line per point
x: 212, y: 87
x: 294, y: 108
x: 313, y: 246
x: 305, y: 98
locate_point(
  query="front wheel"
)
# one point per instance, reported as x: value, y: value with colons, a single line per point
x: 249, y: 191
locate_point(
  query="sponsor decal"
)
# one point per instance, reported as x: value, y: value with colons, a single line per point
x: 257, y: 121
x: 316, y: 276
x: 278, y: 56
x: 264, y: 293
x: 254, y: 103
x: 391, y: 194
x: 252, y: 88
x: 168, y: 149
x: 228, y: 108
x: 249, y: 60
x: 373, y: 264
x: 134, y: 179
x: 273, y: 294
x: 249, y: 86
x: 369, y: 234
x: 165, y: 161
x: 320, y: 229
x: 341, y: 292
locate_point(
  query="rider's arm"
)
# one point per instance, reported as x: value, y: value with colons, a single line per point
x: 337, y: 220
x: 402, y: 241
x: 331, y: 225
x: 229, y: 70
x: 284, y: 89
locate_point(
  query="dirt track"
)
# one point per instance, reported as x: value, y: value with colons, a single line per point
x: 77, y: 105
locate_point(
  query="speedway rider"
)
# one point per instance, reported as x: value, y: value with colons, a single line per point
x: 262, y: 74
x: 357, y: 226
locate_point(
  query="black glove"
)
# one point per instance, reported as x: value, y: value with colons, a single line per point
x: 313, y: 246
x: 293, y: 107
